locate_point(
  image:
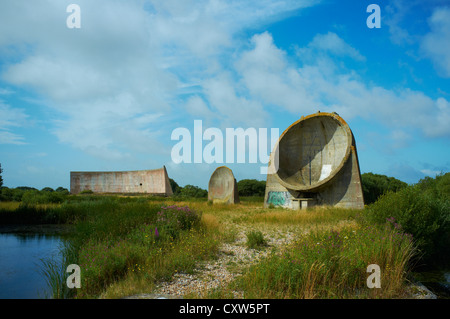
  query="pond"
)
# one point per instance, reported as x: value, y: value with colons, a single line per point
x: 21, y: 252
x: 436, y: 280
x: 23, y: 247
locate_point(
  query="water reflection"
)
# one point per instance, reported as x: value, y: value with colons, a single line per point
x: 437, y: 280
x: 21, y: 267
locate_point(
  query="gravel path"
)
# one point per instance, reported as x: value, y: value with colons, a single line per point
x: 233, y: 258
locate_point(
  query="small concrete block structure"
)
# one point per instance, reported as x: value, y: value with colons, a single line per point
x: 313, y: 163
x: 222, y: 187
x: 132, y: 182
x: 302, y: 203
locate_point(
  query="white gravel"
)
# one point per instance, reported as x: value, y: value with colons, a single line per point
x: 233, y: 258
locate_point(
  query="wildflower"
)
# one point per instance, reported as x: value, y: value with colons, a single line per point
x: 156, y: 232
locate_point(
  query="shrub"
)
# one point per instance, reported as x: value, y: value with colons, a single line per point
x: 176, y: 189
x: 14, y: 194
x: 103, y: 263
x: 255, y: 239
x: 332, y: 264
x: 173, y: 219
x: 438, y: 187
x: 62, y: 190
x: 31, y: 195
x: 6, y: 194
x: 191, y: 191
x: 251, y: 187
x: 42, y: 197
x: 120, y: 237
x: 18, y: 193
x: 422, y: 210
x: 375, y: 185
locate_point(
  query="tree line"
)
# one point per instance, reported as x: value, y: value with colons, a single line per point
x: 373, y: 186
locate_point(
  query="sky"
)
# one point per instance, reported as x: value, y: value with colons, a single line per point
x: 105, y: 87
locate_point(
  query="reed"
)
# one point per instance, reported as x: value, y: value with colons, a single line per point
x: 333, y: 264
x: 53, y: 269
x: 141, y: 242
x: 125, y: 245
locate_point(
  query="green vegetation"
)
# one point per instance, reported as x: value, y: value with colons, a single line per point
x: 125, y: 245
x: 255, y: 239
x: 116, y: 239
x: 138, y: 240
x: 1, y: 178
x: 375, y: 185
x: 422, y: 210
x: 188, y: 191
x: 332, y: 264
x: 191, y: 191
x: 32, y: 195
x: 175, y: 187
x: 251, y: 187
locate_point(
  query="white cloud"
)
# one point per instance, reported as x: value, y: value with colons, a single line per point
x: 234, y: 110
x: 7, y: 137
x: 128, y: 62
x: 435, y: 44
x: 197, y: 107
x: 5, y: 91
x: 399, y: 139
x: 330, y: 43
x: 351, y: 97
x: 395, y: 13
x: 11, y: 118
x: 429, y: 172
x: 114, y: 84
x: 272, y: 79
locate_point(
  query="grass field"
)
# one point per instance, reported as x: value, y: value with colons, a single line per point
x: 127, y: 246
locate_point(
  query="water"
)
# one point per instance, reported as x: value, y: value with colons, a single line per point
x: 21, y: 268
x: 21, y: 274
x: 437, y: 280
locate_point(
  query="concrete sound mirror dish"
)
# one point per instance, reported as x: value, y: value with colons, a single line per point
x: 317, y: 165
x: 222, y: 187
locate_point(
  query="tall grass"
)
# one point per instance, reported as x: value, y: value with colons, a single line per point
x: 121, y: 240
x: 54, y: 271
x: 125, y: 245
x: 162, y: 261
x: 333, y: 264
x: 255, y: 239
x: 116, y: 239
x: 422, y: 212
x: 281, y: 216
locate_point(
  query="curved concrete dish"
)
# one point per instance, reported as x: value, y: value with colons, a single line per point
x: 317, y: 165
x: 222, y: 186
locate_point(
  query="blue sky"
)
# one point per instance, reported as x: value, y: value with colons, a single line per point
x: 107, y: 96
